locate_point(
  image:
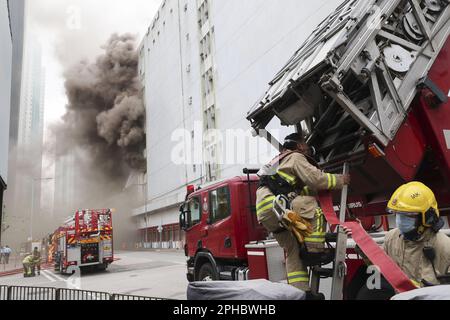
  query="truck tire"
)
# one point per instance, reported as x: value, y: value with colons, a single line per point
x: 206, y: 273
x: 102, y: 267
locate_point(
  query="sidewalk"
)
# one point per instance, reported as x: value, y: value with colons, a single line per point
x: 14, y: 264
x: 13, y: 267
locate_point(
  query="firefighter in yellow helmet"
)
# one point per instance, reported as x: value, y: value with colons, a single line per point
x: 37, y: 260
x: 417, y: 245
x: 294, y: 175
x: 29, y: 263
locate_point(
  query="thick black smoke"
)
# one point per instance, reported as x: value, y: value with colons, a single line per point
x: 105, y: 112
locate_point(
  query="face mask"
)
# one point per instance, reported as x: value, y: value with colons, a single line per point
x: 405, y: 224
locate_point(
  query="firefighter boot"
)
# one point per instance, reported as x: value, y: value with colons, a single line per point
x: 314, y: 296
x: 26, y: 271
x: 311, y: 259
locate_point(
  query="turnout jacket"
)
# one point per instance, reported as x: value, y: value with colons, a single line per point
x: 411, y: 259
x: 298, y: 171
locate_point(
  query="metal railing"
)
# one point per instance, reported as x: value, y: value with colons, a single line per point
x: 63, y: 294
x: 126, y: 297
x: 82, y: 295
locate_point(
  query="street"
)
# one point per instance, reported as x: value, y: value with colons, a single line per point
x: 155, y: 274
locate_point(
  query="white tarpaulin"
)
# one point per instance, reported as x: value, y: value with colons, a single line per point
x: 429, y: 293
x: 243, y: 290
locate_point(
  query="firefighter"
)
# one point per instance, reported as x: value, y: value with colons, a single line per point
x: 37, y: 259
x: 28, y: 265
x: 292, y: 174
x: 416, y: 245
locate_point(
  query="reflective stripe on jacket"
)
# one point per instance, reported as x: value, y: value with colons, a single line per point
x: 294, y: 168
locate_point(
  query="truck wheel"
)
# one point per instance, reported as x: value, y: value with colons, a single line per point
x: 207, y: 273
x: 102, y: 267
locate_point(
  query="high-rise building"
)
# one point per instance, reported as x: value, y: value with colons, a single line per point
x: 64, y: 193
x: 5, y: 97
x: 17, y: 14
x: 12, y: 22
x: 203, y: 65
x: 25, y: 198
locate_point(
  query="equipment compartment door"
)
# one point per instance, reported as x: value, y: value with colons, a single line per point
x: 89, y: 253
x: 106, y: 248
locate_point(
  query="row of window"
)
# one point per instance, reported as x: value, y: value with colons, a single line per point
x: 219, y: 207
x: 170, y: 233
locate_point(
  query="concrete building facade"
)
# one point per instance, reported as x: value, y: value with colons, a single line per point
x: 29, y: 147
x: 12, y: 24
x: 203, y: 65
x: 5, y: 97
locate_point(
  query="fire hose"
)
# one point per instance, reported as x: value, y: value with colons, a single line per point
x: 390, y: 270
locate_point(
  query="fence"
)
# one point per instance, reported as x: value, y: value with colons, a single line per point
x: 42, y: 293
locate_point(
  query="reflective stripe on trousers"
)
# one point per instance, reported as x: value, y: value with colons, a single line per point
x: 298, y: 276
x: 318, y: 236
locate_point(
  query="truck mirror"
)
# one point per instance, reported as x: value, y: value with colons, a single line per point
x: 183, y: 225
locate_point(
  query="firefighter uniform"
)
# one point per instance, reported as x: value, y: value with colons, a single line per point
x: 28, y: 264
x: 306, y: 179
x: 418, y: 232
x: 37, y: 259
x: 409, y: 255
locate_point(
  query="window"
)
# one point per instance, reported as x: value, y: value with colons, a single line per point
x: 219, y: 204
x: 194, y: 215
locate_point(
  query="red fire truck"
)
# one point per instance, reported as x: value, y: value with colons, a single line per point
x: 85, y: 241
x: 370, y: 87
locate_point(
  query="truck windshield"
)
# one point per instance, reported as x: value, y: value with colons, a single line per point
x: 219, y: 204
x: 194, y: 211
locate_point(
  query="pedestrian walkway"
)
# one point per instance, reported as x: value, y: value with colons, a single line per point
x: 15, y: 266
x: 14, y: 263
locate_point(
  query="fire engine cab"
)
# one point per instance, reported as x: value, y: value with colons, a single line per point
x: 219, y: 221
x: 85, y: 241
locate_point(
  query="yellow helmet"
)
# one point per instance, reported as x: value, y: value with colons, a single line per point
x: 415, y: 198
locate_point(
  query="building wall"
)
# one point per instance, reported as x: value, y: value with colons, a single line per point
x: 64, y: 197
x: 17, y: 12
x: 5, y: 87
x: 203, y: 65
x: 29, y: 146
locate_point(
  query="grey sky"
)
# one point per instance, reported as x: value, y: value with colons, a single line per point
x: 71, y: 30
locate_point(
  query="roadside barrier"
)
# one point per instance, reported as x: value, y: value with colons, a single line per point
x: 60, y: 294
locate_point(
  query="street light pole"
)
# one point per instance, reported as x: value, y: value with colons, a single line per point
x: 145, y: 185
x: 146, y: 215
x: 32, y: 209
x: 33, y: 180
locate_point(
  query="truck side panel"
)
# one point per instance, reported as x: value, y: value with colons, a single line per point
x: 435, y: 121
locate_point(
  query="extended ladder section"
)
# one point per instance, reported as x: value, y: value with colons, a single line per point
x: 353, y: 81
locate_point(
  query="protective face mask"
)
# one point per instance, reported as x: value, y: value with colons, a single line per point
x: 405, y: 224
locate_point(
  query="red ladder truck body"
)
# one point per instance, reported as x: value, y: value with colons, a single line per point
x: 84, y: 241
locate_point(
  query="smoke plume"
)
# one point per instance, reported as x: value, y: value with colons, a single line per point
x: 105, y: 115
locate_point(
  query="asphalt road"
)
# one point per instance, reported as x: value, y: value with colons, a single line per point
x: 156, y: 274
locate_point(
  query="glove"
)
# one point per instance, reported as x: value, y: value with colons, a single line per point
x: 300, y: 227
